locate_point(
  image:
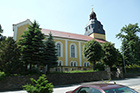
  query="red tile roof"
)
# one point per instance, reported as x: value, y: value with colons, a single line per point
x: 69, y: 35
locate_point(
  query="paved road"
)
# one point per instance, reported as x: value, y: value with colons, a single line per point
x: 131, y: 82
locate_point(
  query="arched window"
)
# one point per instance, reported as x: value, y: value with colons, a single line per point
x: 60, y: 63
x: 73, y: 50
x: 86, y: 64
x: 71, y: 64
x: 58, y: 49
x: 75, y: 64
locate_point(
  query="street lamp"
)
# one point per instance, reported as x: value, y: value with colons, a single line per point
x: 124, y: 60
x: 124, y: 63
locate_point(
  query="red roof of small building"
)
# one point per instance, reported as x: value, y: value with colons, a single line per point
x: 69, y: 35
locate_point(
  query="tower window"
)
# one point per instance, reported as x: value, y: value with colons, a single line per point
x: 86, y: 29
x: 92, y: 25
x: 98, y: 26
x: 89, y: 26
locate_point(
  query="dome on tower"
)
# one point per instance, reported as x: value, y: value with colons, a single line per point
x: 93, y: 15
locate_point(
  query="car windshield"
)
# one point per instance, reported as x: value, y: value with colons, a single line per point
x: 121, y: 90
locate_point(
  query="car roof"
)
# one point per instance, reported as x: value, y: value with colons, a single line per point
x: 104, y: 86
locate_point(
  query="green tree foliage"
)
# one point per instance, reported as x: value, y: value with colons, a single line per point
x: 112, y: 55
x: 1, y: 36
x: 31, y: 45
x: 9, y: 56
x: 93, y: 52
x: 130, y: 43
x: 2, y: 75
x: 39, y: 86
x: 119, y: 59
x: 1, y: 30
x: 50, y: 53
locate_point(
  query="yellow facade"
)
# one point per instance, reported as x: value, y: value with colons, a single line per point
x: 21, y: 30
x: 97, y: 35
x: 66, y: 58
x: 77, y: 53
x: 63, y: 58
x: 83, y: 57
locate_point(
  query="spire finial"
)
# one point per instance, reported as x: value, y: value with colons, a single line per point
x: 92, y: 7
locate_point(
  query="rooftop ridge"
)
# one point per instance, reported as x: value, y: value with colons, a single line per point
x: 62, y: 31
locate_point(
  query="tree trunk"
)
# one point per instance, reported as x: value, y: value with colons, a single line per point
x: 93, y: 65
x: 48, y: 69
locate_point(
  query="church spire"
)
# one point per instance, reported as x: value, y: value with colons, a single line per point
x: 94, y: 28
x: 93, y: 15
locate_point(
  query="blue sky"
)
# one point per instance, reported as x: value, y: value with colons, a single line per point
x: 71, y: 15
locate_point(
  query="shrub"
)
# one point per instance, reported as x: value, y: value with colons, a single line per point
x: 134, y: 68
x: 100, y: 66
x: 2, y: 75
x: 81, y: 71
x: 39, y: 86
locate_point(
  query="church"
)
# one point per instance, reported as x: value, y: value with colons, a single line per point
x: 69, y: 45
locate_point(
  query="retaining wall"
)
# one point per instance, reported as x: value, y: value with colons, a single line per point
x: 16, y: 82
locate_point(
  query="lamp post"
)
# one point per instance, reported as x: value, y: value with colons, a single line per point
x: 124, y: 60
x: 124, y: 63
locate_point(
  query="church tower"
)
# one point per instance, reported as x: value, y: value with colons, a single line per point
x: 94, y: 28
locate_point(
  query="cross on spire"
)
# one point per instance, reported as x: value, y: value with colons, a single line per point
x: 92, y: 7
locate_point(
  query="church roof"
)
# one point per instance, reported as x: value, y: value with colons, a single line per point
x: 69, y: 35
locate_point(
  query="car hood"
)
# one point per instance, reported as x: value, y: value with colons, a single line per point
x: 69, y: 92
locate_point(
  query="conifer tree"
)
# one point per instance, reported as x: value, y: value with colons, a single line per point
x: 1, y: 36
x: 32, y: 45
x: 9, y: 56
x: 1, y: 30
x: 50, y: 53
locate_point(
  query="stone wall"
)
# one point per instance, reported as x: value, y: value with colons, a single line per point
x: 16, y: 82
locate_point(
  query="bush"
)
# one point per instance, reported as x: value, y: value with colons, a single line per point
x: 134, y: 68
x: 39, y: 86
x: 2, y: 75
x: 100, y: 66
x: 81, y: 71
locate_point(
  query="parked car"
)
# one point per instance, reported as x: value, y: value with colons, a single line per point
x: 103, y: 88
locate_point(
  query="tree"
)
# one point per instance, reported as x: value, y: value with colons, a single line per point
x: 50, y: 53
x: 130, y: 41
x: 93, y: 52
x: 31, y: 45
x: 119, y: 58
x: 1, y: 30
x: 9, y: 56
x: 1, y: 36
x: 111, y: 54
x: 39, y: 86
